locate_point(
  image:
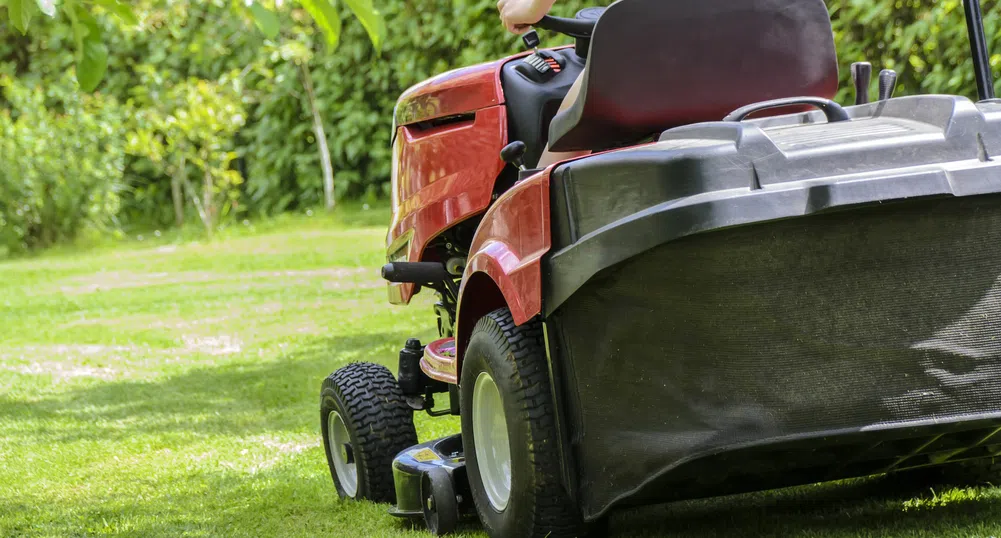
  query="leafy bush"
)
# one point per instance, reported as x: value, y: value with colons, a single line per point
x: 190, y: 125
x: 61, y: 164
x: 925, y: 41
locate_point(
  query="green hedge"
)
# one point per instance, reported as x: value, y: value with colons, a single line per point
x: 925, y: 41
x: 61, y: 162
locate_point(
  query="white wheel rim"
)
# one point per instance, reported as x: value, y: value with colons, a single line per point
x: 493, y: 450
x: 340, y: 451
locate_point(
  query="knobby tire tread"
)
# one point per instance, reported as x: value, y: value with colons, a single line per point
x: 380, y: 421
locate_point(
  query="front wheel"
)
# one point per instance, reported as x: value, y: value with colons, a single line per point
x: 366, y: 422
x: 509, y: 429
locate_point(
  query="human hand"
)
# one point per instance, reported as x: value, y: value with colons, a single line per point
x: 518, y: 16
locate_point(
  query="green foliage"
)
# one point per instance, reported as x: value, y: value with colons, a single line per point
x: 92, y: 53
x: 370, y: 18
x: 266, y: 20
x: 20, y: 14
x: 61, y: 164
x: 190, y: 124
x: 92, y: 59
x: 325, y: 15
x: 119, y: 8
x: 925, y: 41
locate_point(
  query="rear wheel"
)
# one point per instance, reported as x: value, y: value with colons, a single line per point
x: 509, y: 432
x: 366, y: 422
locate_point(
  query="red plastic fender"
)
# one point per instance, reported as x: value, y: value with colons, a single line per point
x: 504, y: 266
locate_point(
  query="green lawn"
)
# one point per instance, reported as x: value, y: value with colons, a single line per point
x: 162, y: 389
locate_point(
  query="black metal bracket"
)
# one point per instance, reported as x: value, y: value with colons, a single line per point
x: 429, y: 401
x: 978, y: 47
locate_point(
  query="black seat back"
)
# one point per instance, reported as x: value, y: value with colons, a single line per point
x: 657, y: 64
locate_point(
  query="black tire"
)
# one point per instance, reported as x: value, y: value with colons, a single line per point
x: 379, y: 424
x: 514, y: 356
x: 441, y: 508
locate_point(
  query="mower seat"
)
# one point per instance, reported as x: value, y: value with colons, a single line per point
x: 657, y: 64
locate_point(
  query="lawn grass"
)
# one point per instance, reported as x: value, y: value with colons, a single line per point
x: 170, y: 388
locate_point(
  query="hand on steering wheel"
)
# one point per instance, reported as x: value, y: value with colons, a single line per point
x: 518, y: 16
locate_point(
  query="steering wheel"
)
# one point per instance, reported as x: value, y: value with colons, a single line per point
x: 581, y: 26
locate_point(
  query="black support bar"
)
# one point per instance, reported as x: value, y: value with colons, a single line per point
x: 978, y: 46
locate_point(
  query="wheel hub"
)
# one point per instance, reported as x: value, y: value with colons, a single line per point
x: 493, y: 448
x: 343, y: 456
x: 346, y: 453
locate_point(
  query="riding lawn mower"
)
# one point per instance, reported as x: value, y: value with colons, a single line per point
x: 744, y: 285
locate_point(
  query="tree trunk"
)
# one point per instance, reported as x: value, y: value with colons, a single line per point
x: 321, y: 139
x: 176, y: 184
x: 207, y: 201
x: 202, y: 212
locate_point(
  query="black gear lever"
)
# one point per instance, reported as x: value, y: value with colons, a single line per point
x: 514, y: 153
x: 531, y: 40
x: 887, y: 84
x: 861, y: 77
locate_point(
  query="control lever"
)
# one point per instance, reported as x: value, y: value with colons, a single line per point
x: 887, y: 84
x: 514, y: 153
x: 531, y: 40
x: 861, y: 77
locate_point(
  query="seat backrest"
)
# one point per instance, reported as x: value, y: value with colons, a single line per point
x: 657, y: 64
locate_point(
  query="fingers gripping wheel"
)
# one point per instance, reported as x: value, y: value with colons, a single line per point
x: 366, y: 422
x: 509, y: 433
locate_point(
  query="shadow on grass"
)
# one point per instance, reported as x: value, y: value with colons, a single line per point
x: 863, y: 507
x: 295, y: 500
x: 282, y: 395
x: 239, y: 399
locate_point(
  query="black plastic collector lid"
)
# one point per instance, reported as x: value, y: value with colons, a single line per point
x: 699, y: 178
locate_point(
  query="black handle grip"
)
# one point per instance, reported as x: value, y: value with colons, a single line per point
x: 862, y: 78
x: 514, y: 153
x: 571, y: 27
x: 415, y: 272
x: 531, y: 39
x: 887, y: 84
x: 832, y: 110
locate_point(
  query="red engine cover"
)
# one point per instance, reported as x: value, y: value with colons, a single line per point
x: 446, y: 158
x: 456, y: 92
